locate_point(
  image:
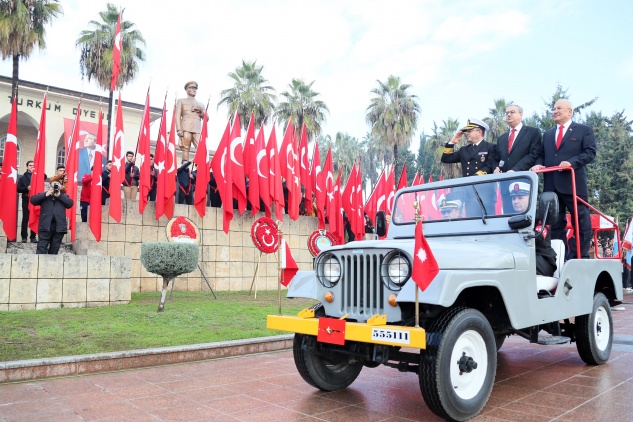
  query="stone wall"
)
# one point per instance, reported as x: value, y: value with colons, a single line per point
x: 227, y: 260
x: 30, y: 281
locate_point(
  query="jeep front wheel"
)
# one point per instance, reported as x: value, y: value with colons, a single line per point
x: 594, y: 332
x: 458, y: 368
x: 329, y: 372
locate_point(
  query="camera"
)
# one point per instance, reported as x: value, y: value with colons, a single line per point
x: 56, y: 187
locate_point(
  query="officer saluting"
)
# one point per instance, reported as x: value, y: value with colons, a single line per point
x: 478, y: 156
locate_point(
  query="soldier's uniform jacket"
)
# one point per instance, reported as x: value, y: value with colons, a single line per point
x: 475, y: 160
x: 190, y: 120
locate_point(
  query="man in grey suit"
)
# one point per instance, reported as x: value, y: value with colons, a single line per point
x: 517, y: 150
x: 568, y: 144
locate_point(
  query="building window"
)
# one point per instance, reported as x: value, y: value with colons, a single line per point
x: 61, y: 156
x: 3, y: 140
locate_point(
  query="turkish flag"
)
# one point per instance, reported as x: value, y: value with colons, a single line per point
x: 316, y: 175
x: 304, y: 171
x: 118, y: 168
x: 275, y: 186
x: 37, y: 177
x: 339, y: 224
x: 402, y: 183
x: 263, y: 170
x: 390, y: 192
x: 9, y: 182
x: 222, y: 170
x: 201, y: 159
x: 293, y: 183
x: 425, y: 266
x: 170, y: 169
x: 72, y: 157
x: 116, y: 55
x: 416, y: 179
x: 371, y: 206
x: 359, y: 226
x: 286, y: 159
x: 328, y: 185
x: 143, y: 152
x: 348, y: 197
x: 250, y: 161
x: 97, y: 183
x: 159, y: 163
x: 288, y: 266
x: 237, y: 165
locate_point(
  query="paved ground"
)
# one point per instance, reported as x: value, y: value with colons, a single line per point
x: 534, y: 383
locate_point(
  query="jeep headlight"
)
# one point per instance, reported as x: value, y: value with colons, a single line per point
x: 396, y: 270
x: 329, y: 271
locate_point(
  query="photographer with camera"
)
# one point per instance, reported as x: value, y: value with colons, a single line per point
x: 52, y: 228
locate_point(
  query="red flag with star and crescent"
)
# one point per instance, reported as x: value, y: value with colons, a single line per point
x: 118, y: 168
x: 304, y: 172
x: 276, y: 187
x: 97, y: 182
x: 425, y: 267
x: 8, y: 185
x: 202, y: 179
x: 143, y: 151
x: 318, y: 188
x: 170, y: 169
x: 222, y: 171
x: 116, y: 55
x: 39, y: 163
x: 236, y: 161
x: 72, y: 158
x: 159, y: 162
x: 250, y: 161
x: 263, y: 170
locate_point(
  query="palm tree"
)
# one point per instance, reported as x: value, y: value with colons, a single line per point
x: 302, y: 106
x: 346, y: 152
x: 22, y: 25
x: 96, y: 49
x: 372, y: 162
x: 393, y: 113
x: 249, y: 94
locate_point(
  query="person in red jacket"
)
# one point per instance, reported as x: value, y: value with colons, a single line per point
x: 84, y: 198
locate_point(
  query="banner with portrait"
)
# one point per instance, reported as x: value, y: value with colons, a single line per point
x: 87, y: 142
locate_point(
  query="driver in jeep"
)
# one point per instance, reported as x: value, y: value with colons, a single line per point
x: 545, y: 255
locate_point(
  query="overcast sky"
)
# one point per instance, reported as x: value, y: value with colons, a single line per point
x: 458, y: 56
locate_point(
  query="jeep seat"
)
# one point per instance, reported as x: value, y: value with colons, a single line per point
x: 549, y: 284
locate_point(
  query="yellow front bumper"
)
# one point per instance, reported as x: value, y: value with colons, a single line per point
x: 354, y: 331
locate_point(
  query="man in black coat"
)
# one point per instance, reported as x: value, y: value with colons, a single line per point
x: 105, y: 182
x: 185, y: 183
x: 24, y: 187
x: 569, y: 144
x: 517, y: 149
x: 477, y: 158
x: 52, y: 227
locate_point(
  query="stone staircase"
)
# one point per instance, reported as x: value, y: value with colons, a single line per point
x: 29, y: 248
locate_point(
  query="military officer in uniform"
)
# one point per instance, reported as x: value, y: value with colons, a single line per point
x: 189, y: 113
x: 450, y: 208
x: 476, y: 158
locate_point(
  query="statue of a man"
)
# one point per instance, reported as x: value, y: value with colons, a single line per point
x: 189, y: 113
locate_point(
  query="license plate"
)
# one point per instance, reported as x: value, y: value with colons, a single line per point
x: 392, y: 336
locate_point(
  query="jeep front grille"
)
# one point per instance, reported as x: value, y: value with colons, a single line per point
x: 361, y: 287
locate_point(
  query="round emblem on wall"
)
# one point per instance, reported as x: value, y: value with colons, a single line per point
x: 319, y: 241
x: 265, y: 235
x: 182, y: 229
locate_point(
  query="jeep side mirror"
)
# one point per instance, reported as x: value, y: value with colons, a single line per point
x: 381, y: 223
x: 520, y: 221
x: 547, y: 208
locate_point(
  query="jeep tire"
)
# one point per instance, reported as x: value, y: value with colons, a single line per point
x: 457, y: 370
x: 331, y: 373
x: 594, y: 332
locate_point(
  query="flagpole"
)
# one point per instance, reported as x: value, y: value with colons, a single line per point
x: 140, y: 130
x: 416, y: 206
x: 279, y: 270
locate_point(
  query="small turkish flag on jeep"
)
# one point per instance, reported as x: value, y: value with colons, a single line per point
x: 425, y: 266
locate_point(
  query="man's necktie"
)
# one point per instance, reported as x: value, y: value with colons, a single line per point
x: 511, y: 140
x: 559, y: 139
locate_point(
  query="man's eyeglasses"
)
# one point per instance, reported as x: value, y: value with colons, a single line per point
x: 508, y: 113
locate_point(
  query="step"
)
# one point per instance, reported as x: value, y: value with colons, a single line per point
x: 30, y: 248
x: 549, y: 340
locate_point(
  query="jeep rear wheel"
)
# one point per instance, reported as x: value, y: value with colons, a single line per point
x: 594, y: 332
x: 328, y: 373
x: 458, y: 368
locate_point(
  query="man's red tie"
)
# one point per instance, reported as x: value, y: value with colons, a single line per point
x: 511, y: 140
x: 559, y: 139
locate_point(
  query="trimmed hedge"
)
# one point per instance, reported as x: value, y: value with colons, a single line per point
x: 169, y: 259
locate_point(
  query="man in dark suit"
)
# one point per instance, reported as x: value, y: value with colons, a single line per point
x: 517, y: 150
x: 476, y: 158
x: 52, y: 226
x: 569, y: 144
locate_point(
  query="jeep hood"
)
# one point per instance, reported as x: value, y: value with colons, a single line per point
x: 450, y: 254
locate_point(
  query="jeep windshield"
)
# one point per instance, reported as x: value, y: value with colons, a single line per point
x: 458, y: 200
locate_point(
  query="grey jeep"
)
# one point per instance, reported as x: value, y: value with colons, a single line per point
x: 370, y: 312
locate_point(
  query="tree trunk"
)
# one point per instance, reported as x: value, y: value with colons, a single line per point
x: 161, y: 305
x: 16, y: 71
x: 395, y: 156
